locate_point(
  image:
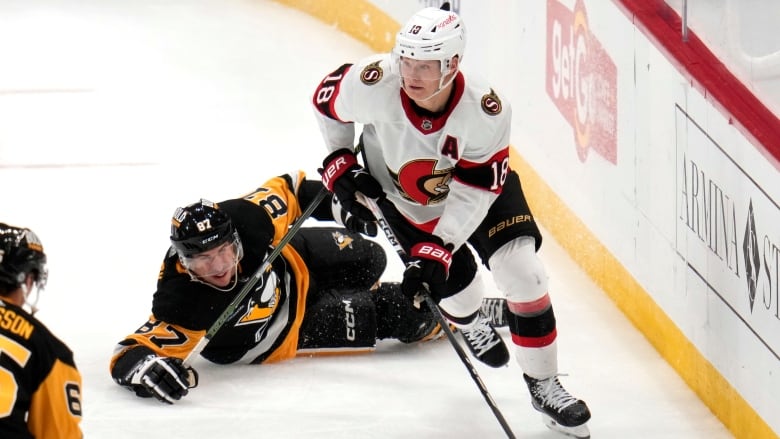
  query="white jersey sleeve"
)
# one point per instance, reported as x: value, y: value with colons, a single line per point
x: 339, y: 102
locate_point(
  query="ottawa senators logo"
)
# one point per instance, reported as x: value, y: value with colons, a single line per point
x: 419, y: 181
x: 371, y: 74
x: 491, y: 104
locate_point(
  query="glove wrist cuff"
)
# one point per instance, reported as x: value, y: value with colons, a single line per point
x: 335, y: 165
x: 432, y: 251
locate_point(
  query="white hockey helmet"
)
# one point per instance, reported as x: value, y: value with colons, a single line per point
x: 431, y: 34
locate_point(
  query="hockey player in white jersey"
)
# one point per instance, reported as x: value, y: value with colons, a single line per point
x: 435, y: 153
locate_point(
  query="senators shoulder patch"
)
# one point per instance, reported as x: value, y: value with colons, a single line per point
x: 491, y: 104
x: 371, y: 74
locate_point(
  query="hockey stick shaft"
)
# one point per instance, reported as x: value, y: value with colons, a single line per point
x: 251, y: 282
x: 388, y: 231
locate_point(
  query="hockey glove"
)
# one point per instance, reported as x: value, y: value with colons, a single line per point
x: 427, y: 269
x: 343, y: 176
x: 165, y: 378
x: 352, y: 223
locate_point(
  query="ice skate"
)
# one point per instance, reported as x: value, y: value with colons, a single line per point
x: 427, y: 333
x: 560, y: 411
x: 496, y: 310
x: 484, y: 343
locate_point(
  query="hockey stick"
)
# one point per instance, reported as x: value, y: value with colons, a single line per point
x: 388, y: 231
x: 231, y: 308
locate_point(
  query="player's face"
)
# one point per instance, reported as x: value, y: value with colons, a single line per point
x: 216, y: 266
x: 421, y: 78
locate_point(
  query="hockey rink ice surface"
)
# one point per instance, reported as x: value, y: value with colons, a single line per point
x: 114, y: 112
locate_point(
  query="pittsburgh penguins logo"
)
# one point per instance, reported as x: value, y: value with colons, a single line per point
x: 491, y: 104
x: 371, y: 74
x: 342, y: 241
x: 33, y: 243
x: 260, y: 309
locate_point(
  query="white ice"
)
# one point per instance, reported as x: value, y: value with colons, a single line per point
x: 112, y: 113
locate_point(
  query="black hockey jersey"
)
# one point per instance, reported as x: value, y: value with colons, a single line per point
x: 40, y: 387
x: 264, y: 327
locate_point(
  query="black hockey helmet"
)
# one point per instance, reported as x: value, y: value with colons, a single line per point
x: 200, y: 227
x: 21, y: 253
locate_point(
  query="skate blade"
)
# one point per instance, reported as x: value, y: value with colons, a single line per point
x: 579, y: 432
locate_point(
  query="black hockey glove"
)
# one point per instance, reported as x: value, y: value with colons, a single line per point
x: 428, y: 268
x: 165, y: 378
x: 351, y: 222
x: 343, y: 176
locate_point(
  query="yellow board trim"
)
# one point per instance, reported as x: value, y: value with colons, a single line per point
x: 357, y: 18
x: 370, y: 25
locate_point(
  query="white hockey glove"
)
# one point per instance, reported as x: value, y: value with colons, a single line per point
x: 165, y: 378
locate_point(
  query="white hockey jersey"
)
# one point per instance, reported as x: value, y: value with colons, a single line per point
x: 441, y: 171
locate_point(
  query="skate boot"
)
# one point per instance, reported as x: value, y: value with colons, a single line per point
x: 496, y: 310
x: 560, y: 411
x: 427, y: 333
x: 484, y: 342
